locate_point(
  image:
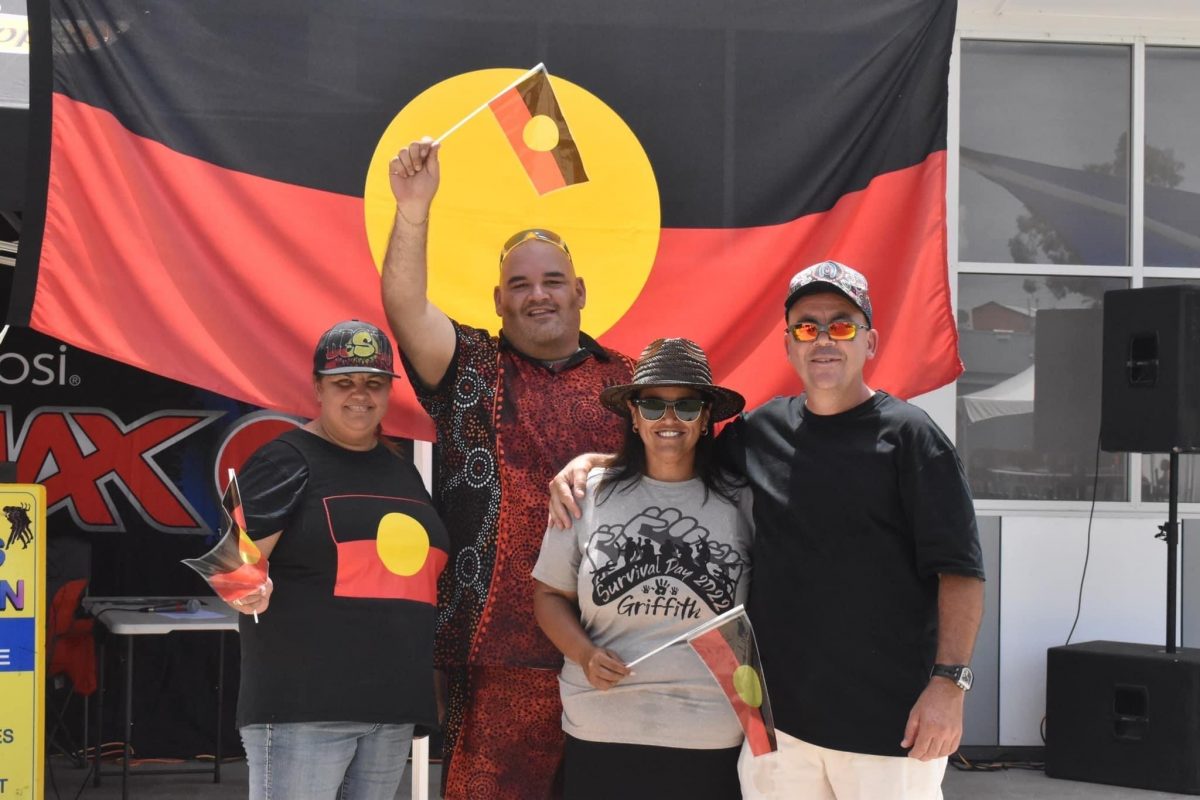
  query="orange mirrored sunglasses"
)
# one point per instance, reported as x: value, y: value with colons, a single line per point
x: 839, y: 330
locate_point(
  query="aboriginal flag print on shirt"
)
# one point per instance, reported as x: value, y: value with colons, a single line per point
x: 201, y: 161
x: 384, y: 549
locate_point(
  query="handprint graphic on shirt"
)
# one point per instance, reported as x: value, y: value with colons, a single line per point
x: 658, y: 543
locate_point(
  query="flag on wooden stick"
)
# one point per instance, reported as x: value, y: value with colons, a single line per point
x: 529, y: 115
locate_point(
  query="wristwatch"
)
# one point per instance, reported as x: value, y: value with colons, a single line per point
x: 959, y: 673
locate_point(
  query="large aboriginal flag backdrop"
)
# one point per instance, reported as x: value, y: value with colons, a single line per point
x: 216, y: 193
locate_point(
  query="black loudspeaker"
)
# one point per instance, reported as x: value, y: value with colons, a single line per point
x: 1150, y: 401
x: 1124, y: 714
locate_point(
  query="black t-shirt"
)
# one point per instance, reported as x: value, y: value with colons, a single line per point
x: 348, y: 635
x: 855, y: 514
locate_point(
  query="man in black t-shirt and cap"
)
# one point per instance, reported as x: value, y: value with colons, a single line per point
x: 867, y: 590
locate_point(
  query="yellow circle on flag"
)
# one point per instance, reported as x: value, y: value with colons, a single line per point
x: 247, y: 550
x: 540, y: 133
x: 611, y: 222
x: 747, y: 685
x: 402, y: 543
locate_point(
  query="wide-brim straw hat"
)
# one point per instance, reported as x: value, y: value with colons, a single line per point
x: 674, y: 362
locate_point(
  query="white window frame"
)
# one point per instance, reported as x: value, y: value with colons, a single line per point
x: 987, y: 20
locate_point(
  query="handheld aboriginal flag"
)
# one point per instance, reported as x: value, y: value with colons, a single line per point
x: 727, y: 647
x: 538, y: 132
x: 533, y: 123
x: 235, y: 567
x: 192, y: 162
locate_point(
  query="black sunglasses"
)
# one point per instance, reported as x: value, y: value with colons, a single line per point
x: 687, y: 409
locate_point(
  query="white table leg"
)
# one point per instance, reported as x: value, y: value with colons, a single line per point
x: 420, y: 768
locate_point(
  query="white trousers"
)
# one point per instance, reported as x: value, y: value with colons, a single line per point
x: 799, y: 770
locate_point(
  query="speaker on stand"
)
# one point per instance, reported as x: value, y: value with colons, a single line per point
x: 1119, y: 713
x: 1150, y: 391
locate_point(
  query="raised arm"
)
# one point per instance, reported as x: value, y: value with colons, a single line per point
x: 421, y: 329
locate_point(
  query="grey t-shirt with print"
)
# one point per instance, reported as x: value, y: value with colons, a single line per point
x: 652, y: 560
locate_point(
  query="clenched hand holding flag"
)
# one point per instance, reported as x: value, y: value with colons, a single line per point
x: 235, y: 567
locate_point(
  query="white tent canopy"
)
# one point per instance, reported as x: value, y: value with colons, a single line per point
x: 1011, y: 396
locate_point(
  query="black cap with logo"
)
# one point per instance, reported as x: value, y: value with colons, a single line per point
x: 353, y: 346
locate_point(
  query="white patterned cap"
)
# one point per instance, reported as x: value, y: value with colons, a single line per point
x: 830, y: 276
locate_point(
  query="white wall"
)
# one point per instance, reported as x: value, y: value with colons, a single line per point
x: 1124, y: 599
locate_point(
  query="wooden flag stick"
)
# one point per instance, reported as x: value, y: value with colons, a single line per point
x: 703, y: 627
x: 468, y: 117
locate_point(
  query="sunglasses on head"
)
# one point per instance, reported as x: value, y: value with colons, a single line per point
x: 839, y: 330
x: 687, y: 409
x: 533, y: 235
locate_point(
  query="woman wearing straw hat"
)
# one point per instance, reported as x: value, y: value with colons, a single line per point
x: 663, y: 546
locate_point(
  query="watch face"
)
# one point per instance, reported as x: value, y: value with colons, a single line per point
x: 959, y: 673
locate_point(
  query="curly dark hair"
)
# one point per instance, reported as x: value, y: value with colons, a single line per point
x: 629, y: 465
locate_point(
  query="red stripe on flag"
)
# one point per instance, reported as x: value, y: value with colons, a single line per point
x: 722, y: 661
x: 512, y: 114
x: 148, y: 272
x: 238, y: 583
x: 207, y: 276
x: 360, y: 573
x: 735, y: 281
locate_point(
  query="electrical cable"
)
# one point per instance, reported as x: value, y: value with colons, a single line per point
x: 1088, y: 551
x: 962, y: 764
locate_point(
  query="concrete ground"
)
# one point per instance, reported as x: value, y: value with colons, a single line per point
x: 1012, y: 784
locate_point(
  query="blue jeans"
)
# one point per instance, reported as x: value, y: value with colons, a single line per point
x: 326, y: 760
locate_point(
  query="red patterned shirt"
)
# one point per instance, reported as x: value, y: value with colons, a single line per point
x: 506, y: 423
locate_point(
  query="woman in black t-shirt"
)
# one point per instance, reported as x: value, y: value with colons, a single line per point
x: 339, y: 668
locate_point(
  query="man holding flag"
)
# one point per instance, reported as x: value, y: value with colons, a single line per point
x: 868, y: 578
x: 509, y: 410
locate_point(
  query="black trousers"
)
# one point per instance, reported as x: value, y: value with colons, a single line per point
x: 614, y: 771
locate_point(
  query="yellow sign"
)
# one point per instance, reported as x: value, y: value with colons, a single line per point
x: 22, y: 639
x: 14, y: 33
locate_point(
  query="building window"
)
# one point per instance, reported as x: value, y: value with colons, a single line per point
x: 1051, y: 137
x: 1044, y: 155
x: 1029, y: 398
x: 1172, y: 215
